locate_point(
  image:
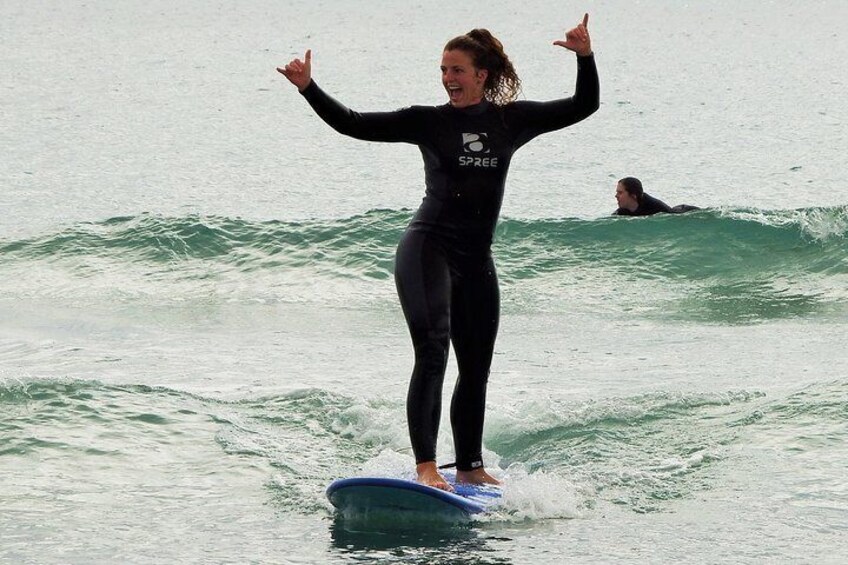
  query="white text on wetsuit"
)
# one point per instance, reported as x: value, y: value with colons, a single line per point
x: 476, y: 144
x: 478, y: 161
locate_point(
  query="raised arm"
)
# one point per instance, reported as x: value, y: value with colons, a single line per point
x: 586, y: 97
x: 406, y: 125
x: 534, y: 118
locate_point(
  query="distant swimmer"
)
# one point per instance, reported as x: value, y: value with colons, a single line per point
x: 444, y: 271
x: 634, y: 201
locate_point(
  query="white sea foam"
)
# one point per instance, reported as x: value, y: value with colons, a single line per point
x: 540, y: 495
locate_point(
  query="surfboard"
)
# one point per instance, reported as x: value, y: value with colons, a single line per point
x: 359, y: 496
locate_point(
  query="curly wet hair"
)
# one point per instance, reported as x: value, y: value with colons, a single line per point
x: 502, y: 84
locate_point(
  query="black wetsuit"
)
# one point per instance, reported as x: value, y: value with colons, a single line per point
x: 648, y: 205
x: 444, y: 271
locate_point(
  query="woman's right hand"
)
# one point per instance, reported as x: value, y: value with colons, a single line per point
x: 299, y: 72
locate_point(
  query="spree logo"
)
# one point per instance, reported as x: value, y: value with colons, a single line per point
x: 475, y: 145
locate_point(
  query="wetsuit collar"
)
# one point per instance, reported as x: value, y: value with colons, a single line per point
x: 475, y: 109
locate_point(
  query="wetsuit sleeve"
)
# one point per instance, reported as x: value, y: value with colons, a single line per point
x: 405, y: 125
x: 529, y: 119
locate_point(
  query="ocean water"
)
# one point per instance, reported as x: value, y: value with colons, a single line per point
x: 199, y: 328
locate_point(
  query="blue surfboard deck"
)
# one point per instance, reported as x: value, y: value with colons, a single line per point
x: 384, y: 495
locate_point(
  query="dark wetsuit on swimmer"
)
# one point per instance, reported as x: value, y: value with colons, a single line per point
x: 444, y: 271
x: 648, y: 206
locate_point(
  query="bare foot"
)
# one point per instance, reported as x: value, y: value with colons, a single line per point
x: 476, y: 477
x: 428, y: 474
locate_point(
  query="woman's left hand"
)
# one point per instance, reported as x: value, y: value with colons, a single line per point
x: 577, y: 39
x: 299, y: 72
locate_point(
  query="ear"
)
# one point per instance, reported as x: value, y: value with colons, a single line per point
x: 482, y: 75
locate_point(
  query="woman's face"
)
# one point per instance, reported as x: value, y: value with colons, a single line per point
x: 462, y: 81
x: 625, y: 199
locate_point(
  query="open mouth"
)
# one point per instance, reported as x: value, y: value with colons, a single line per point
x: 454, y: 93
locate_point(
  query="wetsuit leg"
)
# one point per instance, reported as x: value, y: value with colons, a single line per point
x: 423, y: 283
x: 475, y: 310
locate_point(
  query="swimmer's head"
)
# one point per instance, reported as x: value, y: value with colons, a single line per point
x: 628, y: 193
